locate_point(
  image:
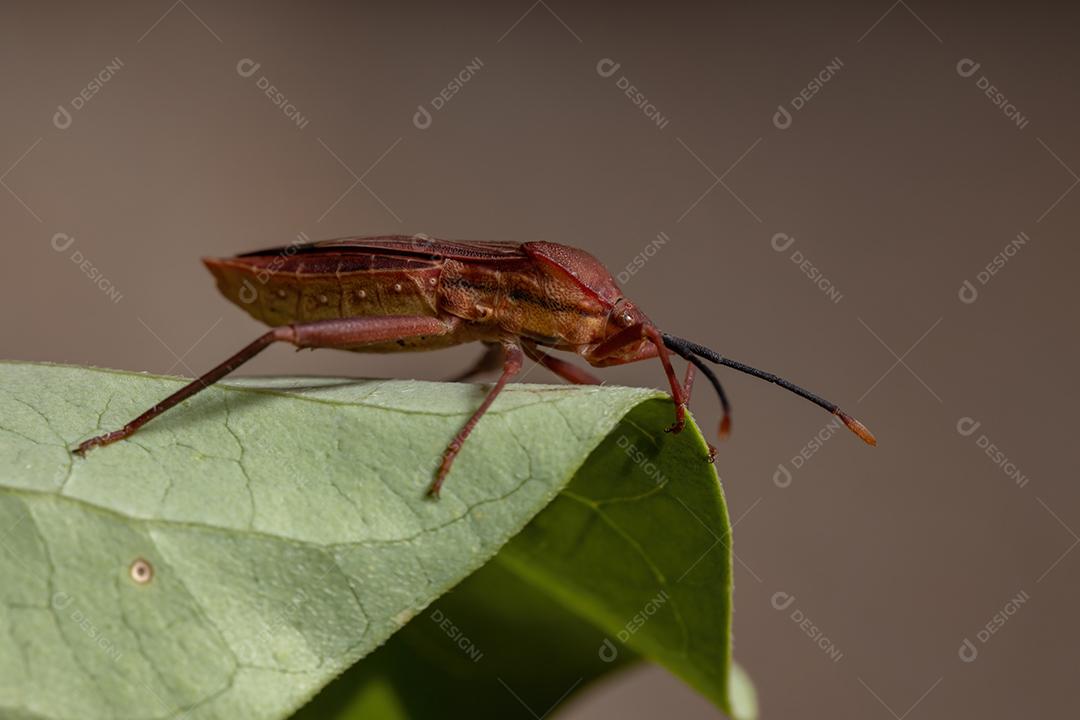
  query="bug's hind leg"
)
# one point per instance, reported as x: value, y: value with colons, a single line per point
x: 511, y: 367
x: 349, y: 332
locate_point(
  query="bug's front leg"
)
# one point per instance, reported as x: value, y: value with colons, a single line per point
x: 338, y: 333
x: 511, y: 367
x: 634, y: 334
x: 688, y: 386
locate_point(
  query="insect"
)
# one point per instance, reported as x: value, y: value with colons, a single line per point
x: 406, y: 293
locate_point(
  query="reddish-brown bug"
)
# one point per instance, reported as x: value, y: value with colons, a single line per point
x: 400, y: 293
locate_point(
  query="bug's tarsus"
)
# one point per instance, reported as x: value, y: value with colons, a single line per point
x: 676, y: 345
x: 688, y: 349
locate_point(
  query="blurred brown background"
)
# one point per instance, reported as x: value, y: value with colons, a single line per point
x: 137, y: 137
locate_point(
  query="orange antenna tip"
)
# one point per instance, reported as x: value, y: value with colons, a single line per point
x: 857, y: 427
x: 725, y: 427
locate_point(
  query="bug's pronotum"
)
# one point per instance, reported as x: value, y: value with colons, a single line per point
x: 401, y: 293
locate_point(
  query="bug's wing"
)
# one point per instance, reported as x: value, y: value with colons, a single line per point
x: 418, y: 246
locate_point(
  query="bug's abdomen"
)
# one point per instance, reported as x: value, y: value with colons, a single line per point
x: 280, y: 291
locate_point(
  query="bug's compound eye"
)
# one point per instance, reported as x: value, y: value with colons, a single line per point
x: 623, y: 315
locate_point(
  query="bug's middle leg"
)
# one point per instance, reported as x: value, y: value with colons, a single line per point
x: 511, y: 367
x: 567, y: 371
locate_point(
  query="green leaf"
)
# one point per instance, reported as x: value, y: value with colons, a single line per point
x: 289, y: 534
x: 488, y: 646
x: 632, y: 557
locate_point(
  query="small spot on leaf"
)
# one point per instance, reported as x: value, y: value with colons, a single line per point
x: 141, y: 571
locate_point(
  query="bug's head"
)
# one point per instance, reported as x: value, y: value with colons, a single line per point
x: 623, y: 315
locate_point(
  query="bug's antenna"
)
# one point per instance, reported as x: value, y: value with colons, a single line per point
x: 677, y: 344
x: 680, y: 349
